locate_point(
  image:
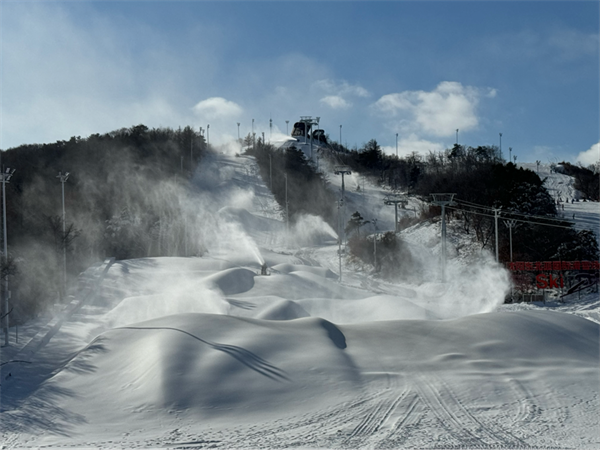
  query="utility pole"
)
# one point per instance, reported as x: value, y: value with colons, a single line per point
x: 443, y: 200
x: 457, y: 136
x: 512, y: 223
x: 340, y: 238
x: 270, y: 172
x: 207, y: 135
x: 396, y: 145
x: 375, y: 245
x: 6, y: 175
x: 63, y: 179
x: 496, y: 214
x: 287, y: 212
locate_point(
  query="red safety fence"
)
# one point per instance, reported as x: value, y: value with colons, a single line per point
x: 541, y: 266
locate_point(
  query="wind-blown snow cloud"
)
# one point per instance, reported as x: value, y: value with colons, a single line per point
x: 217, y: 108
x: 591, y: 156
x: 439, y: 112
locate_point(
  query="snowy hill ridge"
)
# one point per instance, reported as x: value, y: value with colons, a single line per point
x: 205, y: 351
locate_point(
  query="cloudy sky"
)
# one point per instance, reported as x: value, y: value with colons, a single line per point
x: 528, y: 70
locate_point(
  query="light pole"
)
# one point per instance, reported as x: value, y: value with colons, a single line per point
x: 238, y: 124
x: 287, y: 131
x: 63, y: 179
x: 457, y: 136
x: 270, y: 130
x: 340, y: 135
x: 207, y: 135
x: 253, y: 143
x: 509, y: 154
x: 396, y: 145
x: 6, y: 175
x: 538, y: 162
x: 501, y: 145
x: 443, y: 200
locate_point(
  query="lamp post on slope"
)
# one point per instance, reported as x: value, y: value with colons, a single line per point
x: 6, y: 175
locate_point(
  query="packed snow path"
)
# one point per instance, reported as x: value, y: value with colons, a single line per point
x: 205, y: 352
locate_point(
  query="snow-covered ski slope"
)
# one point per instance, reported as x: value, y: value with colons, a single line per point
x: 204, y: 352
x: 561, y: 187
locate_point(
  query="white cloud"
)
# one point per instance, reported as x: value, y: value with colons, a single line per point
x: 341, y: 88
x: 338, y: 92
x: 412, y: 143
x: 217, y: 108
x: 591, y: 156
x: 439, y: 112
x: 74, y: 77
x: 335, y: 102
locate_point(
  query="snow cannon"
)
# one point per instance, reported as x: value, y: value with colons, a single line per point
x: 263, y: 269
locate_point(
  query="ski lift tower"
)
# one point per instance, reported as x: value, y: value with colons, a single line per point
x: 308, y: 122
x: 341, y: 170
x: 443, y: 200
x: 394, y: 199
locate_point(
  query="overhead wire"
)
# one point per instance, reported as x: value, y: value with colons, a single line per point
x: 571, y: 227
x: 475, y: 205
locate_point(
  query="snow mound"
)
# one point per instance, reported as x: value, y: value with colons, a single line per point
x: 231, y: 281
x: 289, y: 268
x: 208, y: 365
x: 282, y: 310
x: 376, y: 308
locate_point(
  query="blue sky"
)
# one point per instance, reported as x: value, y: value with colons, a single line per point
x: 528, y: 70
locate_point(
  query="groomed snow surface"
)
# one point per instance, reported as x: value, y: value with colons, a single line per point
x: 205, y: 352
